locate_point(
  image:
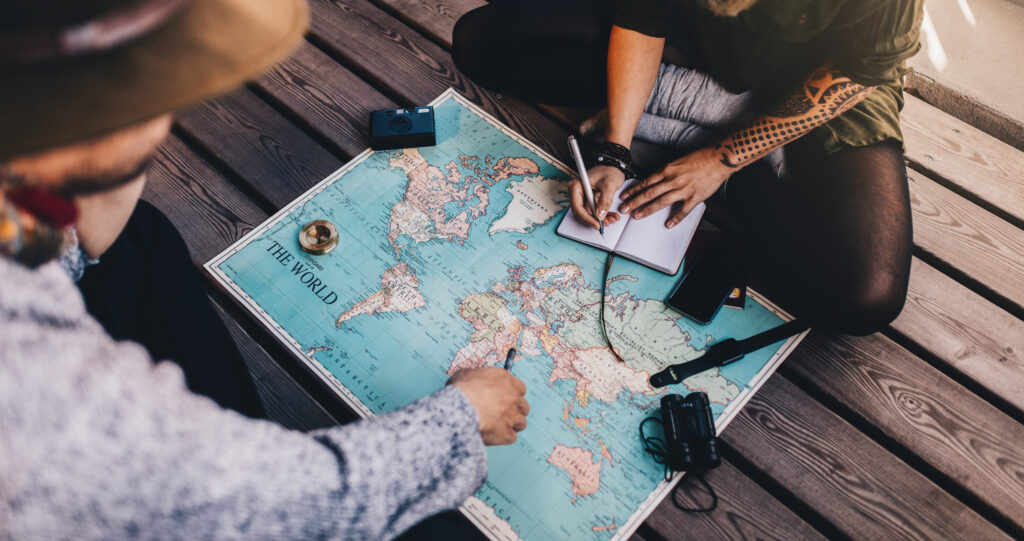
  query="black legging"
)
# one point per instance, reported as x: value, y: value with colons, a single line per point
x: 832, y: 244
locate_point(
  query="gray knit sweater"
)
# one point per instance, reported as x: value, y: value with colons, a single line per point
x: 98, y: 442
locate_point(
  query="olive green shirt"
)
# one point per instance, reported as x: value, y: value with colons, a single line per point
x: 774, y: 45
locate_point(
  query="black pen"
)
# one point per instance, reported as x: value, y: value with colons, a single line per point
x: 508, y: 358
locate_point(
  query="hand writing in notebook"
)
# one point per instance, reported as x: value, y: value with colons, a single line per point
x: 606, y: 181
x: 647, y: 242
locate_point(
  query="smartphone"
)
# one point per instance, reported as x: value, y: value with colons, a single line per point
x: 705, y: 285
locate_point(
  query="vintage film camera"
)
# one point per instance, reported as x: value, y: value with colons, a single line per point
x: 690, y: 443
x: 405, y: 127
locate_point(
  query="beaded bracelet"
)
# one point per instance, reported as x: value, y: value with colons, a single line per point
x: 616, y: 156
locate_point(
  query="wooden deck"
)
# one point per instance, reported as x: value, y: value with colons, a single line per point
x: 914, y: 432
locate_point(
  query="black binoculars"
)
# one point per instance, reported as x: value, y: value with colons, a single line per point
x: 690, y: 443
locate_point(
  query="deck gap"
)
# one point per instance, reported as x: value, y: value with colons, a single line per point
x: 951, y: 372
x: 933, y: 474
x: 222, y: 167
x: 782, y: 494
x: 313, y: 385
x: 969, y: 282
x: 307, y: 127
x: 366, y: 75
x: 956, y: 188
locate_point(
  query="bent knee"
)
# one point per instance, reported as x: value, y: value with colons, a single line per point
x: 870, y: 303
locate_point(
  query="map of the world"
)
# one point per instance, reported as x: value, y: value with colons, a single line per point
x: 447, y: 258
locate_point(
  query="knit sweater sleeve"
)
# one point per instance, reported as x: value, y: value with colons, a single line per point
x: 105, y: 444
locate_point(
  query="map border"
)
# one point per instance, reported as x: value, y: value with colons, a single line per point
x: 482, y: 516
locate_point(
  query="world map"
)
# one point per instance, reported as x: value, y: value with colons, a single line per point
x: 448, y: 258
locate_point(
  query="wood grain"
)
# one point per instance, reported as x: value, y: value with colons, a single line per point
x: 209, y: 212
x: 436, y: 18
x: 330, y: 99
x: 973, y: 444
x: 946, y: 148
x: 272, y: 155
x: 413, y: 67
x: 971, y: 335
x: 847, y: 478
x: 745, y: 511
x: 968, y: 238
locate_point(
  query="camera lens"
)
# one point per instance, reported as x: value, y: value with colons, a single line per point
x: 400, y: 124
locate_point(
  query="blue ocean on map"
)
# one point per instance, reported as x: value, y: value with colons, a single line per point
x: 415, y: 289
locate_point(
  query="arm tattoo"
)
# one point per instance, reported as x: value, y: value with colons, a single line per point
x: 823, y: 96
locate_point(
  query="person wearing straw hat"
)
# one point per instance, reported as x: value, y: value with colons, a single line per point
x: 97, y: 440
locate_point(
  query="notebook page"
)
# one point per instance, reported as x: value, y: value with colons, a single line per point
x: 649, y: 242
x: 579, y: 231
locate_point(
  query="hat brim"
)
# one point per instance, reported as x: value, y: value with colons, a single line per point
x: 209, y: 48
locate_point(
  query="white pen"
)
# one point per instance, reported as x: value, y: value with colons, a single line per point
x: 574, y: 149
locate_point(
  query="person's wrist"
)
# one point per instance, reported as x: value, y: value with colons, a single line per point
x: 619, y: 138
x: 615, y: 155
x: 712, y: 156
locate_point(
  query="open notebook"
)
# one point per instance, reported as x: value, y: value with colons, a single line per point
x: 646, y: 241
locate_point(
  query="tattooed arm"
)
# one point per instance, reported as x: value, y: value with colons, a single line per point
x: 824, y: 95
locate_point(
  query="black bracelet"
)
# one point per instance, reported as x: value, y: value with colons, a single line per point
x: 627, y: 169
x: 618, y: 152
x: 616, y: 156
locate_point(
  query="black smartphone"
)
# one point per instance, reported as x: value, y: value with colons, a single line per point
x: 705, y: 284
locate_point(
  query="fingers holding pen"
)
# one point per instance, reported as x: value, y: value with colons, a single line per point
x: 578, y: 201
x: 604, y: 199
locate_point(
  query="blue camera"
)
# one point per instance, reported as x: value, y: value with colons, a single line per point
x: 402, y: 128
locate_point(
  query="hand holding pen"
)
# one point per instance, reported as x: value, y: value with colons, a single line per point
x: 592, y: 200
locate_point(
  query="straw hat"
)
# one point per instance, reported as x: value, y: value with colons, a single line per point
x: 75, y: 69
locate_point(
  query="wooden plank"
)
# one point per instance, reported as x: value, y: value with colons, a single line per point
x: 332, y: 100
x: 948, y: 149
x: 973, y: 336
x: 436, y: 18
x: 975, y: 445
x: 206, y: 209
x: 968, y: 238
x: 844, y: 476
x: 286, y: 402
x: 265, y: 150
x: 745, y: 511
x: 416, y: 69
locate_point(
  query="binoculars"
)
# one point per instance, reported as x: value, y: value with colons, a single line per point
x: 690, y: 443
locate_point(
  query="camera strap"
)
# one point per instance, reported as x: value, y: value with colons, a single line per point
x: 725, y: 352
